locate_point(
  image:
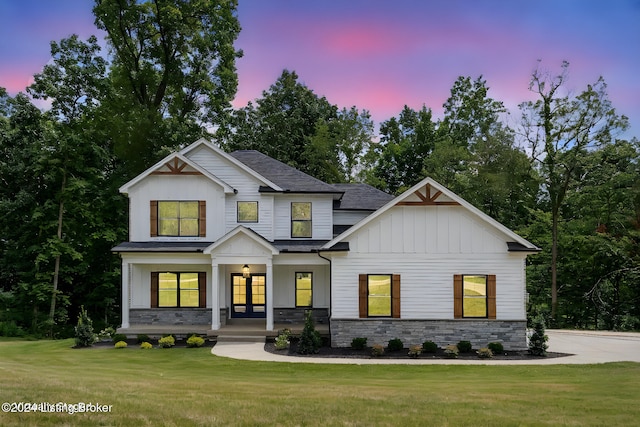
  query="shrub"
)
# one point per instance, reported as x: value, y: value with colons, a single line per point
x: 106, y: 334
x: 286, y: 332
x: 395, y: 344
x: 451, y: 351
x: 282, y: 342
x: 495, y: 347
x: 538, y: 340
x: 118, y: 337
x: 85, y: 337
x: 359, y: 343
x: 146, y: 345
x: 195, y: 341
x: 377, y: 350
x: 167, y: 342
x: 484, y: 353
x: 9, y: 328
x: 415, y: 350
x: 120, y: 344
x: 429, y: 347
x: 310, y: 339
x: 143, y: 338
x: 465, y: 346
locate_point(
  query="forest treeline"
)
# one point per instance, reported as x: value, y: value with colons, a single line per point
x: 558, y: 174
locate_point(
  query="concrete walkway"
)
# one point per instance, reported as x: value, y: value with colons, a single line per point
x: 586, y: 347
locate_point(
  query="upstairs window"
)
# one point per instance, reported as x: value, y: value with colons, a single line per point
x: 301, y: 219
x: 178, y: 218
x: 247, y: 211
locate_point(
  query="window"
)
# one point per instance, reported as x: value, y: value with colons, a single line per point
x: 301, y: 219
x: 379, y: 295
x: 474, y: 296
x: 178, y: 289
x: 304, y: 289
x: 247, y: 211
x: 178, y: 218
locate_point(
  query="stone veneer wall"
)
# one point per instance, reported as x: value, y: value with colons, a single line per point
x: 173, y: 316
x: 511, y: 333
x: 296, y: 315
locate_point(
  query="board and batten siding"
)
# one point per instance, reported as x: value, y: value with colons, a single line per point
x: 175, y: 187
x: 427, y: 246
x: 321, y: 216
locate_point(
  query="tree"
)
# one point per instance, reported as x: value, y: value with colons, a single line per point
x: 173, y: 71
x: 397, y: 162
x: 560, y: 130
x: 283, y: 123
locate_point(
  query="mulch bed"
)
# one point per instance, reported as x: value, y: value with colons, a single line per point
x: 349, y: 353
x: 133, y: 343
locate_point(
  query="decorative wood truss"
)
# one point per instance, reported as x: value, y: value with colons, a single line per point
x: 175, y: 167
x: 428, y: 199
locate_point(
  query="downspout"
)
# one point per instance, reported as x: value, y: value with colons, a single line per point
x: 330, y: 291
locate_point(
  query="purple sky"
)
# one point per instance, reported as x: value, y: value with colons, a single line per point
x: 380, y: 55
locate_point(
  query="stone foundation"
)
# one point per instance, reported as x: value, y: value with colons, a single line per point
x: 296, y: 315
x: 173, y: 316
x: 511, y: 333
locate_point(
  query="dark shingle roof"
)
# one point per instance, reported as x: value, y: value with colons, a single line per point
x: 361, y: 197
x: 286, y: 177
x: 161, y: 246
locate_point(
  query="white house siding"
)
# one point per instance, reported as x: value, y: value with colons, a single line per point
x: 174, y: 187
x: 264, y: 226
x: 426, y: 246
x: 349, y: 217
x: 321, y: 215
x: 284, y: 285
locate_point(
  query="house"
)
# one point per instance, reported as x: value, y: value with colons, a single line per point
x: 220, y: 238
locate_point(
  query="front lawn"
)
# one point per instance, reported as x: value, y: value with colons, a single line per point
x: 185, y: 387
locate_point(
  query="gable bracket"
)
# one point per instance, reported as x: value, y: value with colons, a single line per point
x: 175, y: 168
x: 428, y: 199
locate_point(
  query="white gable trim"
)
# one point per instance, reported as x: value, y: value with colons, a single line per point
x: 448, y: 193
x: 125, y: 188
x: 246, y: 232
x: 230, y: 159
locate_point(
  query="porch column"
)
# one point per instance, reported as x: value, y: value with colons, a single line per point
x: 125, y: 294
x: 215, y: 296
x: 269, y: 295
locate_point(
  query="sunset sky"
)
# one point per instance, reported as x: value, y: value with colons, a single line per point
x: 380, y: 55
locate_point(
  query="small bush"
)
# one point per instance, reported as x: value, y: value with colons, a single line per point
x: 286, y: 332
x: 167, y: 342
x: 118, y: 337
x: 495, y: 347
x: 10, y: 328
x: 377, y: 350
x: 538, y: 340
x: 106, y: 334
x: 359, y: 343
x: 310, y: 339
x: 282, y: 342
x: 451, y: 351
x: 484, y: 353
x: 195, y: 341
x: 120, y: 344
x: 85, y: 337
x: 415, y: 350
x: 143, y: 338
x: 429, y: 347
x: 146, y: 345
x: 395, y: 344
x: 465, y: 346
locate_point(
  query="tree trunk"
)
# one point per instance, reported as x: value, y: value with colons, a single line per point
x: 56, y: 270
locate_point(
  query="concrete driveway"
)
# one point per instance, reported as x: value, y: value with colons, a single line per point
x: 585, y: 347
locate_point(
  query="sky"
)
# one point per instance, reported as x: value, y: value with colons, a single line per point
x: 380, y: 55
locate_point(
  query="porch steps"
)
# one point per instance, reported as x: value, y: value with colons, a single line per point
x: 241, y: 338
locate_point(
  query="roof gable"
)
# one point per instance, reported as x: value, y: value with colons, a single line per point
x: 428, y: 192
x: 229, y: 158
x: 175, y: 164
x: 242, y: 240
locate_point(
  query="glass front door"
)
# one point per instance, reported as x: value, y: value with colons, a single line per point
x: 248, y: 295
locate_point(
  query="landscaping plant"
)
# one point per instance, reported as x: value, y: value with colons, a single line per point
x: 310, y: 339
x: 85, y: 337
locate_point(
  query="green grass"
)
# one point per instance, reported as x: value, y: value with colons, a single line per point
x: 188, y: 387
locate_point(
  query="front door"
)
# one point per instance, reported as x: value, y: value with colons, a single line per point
x: 248, y: 296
